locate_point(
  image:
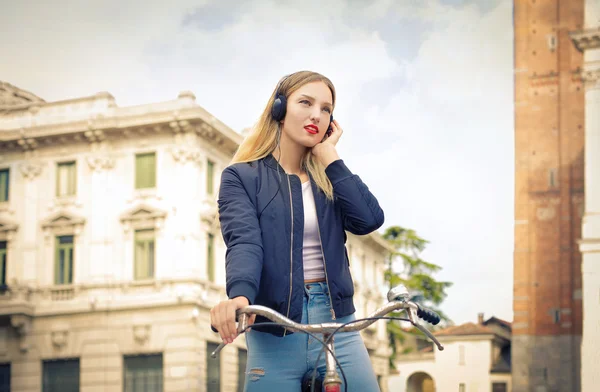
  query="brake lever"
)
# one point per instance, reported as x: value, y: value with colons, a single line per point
x: 412, y: 316
x: 242, y: 325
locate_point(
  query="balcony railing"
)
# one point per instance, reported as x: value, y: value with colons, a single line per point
x: 106, y: 296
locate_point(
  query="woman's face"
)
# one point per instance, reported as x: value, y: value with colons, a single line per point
x: 307, y: 114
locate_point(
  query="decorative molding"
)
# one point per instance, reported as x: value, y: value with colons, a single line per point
x: 591, y: 78
x: 61, y: 203
x: 60, y: 338
x: 208, y: 132
x: 7, y: 230
x: 94, y: 135
x: 180, y: 125
x: 14, y: 97
x: 99, y: 163
x: 586, y: 39
x: 185, y: 154
x: 27, y: 143
x: 208, y: 211
x: 62, y: 223
x: 30, y: 170
x: 141, y: 333
x: 143, y: 216
x: 22, y: 325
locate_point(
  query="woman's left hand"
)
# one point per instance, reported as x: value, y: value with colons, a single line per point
x: 325, y: 151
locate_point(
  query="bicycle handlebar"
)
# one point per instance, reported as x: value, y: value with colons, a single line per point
x: 398, y: 301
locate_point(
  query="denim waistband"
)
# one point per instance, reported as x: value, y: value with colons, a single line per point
x: 316, y: 288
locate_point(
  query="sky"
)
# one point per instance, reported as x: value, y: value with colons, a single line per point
x: 424, y: 95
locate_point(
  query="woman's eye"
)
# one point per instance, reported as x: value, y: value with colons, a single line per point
x: 327, y: 110
x: 305, y: 101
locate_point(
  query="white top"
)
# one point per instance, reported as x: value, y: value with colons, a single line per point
x: 311, y: 250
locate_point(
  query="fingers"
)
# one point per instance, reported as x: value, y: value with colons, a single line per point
x: 336, y: 131
x: 222, y: 317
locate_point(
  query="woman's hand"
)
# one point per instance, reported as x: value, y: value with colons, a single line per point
x: 325, y: 151
x: 222, y: 318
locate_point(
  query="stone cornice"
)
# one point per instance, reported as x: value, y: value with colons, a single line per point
x: 14, y: 97
x: 586, y: 39
x: 375, y: 239
x: 589, y: 245
x: 7, y: 229
x: 591, y: 78
x: 189, y: 118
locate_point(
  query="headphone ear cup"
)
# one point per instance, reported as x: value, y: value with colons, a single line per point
x: 279, y: 107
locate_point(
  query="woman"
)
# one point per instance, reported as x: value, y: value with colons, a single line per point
x: 284, y: 206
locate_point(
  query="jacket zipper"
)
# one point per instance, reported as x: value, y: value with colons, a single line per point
x: 325, y: 268
x: 291, y: 249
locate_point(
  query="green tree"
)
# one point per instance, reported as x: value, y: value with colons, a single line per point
x: 406, y: 267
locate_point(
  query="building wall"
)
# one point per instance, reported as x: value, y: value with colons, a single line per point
x: 465, y: 361
x: 106, y: 314
x: 549, y: 184
x: 590, y: 244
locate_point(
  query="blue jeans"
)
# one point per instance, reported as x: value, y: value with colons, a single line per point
x: 279, y: 363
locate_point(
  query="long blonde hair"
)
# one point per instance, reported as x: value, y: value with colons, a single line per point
x: 263, y: 140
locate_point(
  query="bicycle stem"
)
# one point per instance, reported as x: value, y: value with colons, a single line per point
x: 331, y: 375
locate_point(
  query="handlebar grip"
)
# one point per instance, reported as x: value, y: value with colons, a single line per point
x: 428, y: 315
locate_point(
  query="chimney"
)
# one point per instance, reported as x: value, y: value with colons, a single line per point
x: 480, y: 318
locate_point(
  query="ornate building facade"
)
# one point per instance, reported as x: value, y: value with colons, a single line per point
x: 111, y: 254
x: 587, y: 40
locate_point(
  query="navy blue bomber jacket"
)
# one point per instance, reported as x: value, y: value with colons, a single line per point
x: 263, y: 231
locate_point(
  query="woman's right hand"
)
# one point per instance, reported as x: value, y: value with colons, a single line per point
x: 222, y: 317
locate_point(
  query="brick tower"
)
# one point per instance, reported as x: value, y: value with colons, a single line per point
x: 549, y: 184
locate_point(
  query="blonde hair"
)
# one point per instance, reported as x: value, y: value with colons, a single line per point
x: 263, y: 140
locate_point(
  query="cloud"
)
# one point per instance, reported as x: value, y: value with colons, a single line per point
x: 66, y: 49
x: 439, y: 153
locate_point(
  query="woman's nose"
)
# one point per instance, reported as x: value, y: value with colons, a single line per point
x: 315, y: 116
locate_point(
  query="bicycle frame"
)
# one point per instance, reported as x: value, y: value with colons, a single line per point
x: 398, y: 298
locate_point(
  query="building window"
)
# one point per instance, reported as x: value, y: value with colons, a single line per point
x: 4, y: 184
x: 144, y: 254
x: 2, y: 263
x: 66, y: 179
x: 242, y: 360
x: 213, y: 369
x: 461, y: 355
x: 499, y: 387
x: 61, y: 376
x: 63, y: 266
x: 552, y: 181
x: 462, y: 387
x: 210, y: 172
x: 5, y: 377
x: 145, y: 170
x: 210, y: 257
x: 143, y: 373
x: 556, y: 315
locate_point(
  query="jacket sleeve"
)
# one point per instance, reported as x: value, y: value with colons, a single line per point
x: 242, y: 236
x: 360, y: 209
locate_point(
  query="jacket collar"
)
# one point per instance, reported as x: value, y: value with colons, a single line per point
x: 271, y: 162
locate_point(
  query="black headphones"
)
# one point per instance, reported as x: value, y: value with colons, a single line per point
x: 280, y: 105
